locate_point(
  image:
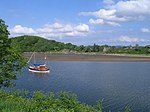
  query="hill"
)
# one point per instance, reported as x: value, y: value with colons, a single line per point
x: 39, y: 44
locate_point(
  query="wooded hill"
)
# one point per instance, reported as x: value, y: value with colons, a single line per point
x: 38, y: 44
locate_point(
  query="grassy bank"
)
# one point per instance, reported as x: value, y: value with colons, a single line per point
x: 39, y: 102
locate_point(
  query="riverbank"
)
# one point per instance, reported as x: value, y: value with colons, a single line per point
x: 40, y: 102
x: 56, y: 56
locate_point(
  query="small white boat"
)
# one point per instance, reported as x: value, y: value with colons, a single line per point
x: 38, y: 68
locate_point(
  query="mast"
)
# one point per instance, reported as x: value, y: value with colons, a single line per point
x: 31, y: 57
x: 45, y: 59
x: 34, y: 58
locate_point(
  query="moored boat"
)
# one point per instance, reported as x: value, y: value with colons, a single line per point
x: 38, y: 68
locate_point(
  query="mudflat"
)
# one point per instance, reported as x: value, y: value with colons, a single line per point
x: 88, y: 57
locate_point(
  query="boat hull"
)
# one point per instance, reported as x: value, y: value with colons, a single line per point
x: 39, y: 71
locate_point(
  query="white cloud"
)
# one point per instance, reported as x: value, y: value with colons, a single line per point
x: 107, y: 17
x: 66, y: 28
x: 121, y: 11
x: 82, y: 28
x: 53, y: 30
x: 57, y: 25
x: 96, y: 22
x: 132, y: 7
x: 102, y: 22
x: 145, y: 30
x: 124, y: 38
x: 113, y: 23
x: 104, y: 14
x: 21, y: 30
x: 54, y: 26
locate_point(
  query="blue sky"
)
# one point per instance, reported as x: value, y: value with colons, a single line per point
x: 112, y: 22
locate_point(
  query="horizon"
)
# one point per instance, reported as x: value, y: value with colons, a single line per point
x: 85, y: 45
x: 80, y: 22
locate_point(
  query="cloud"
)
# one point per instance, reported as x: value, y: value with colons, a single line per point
x: 96, y: 22
x: 121, y: 11
x: 145, y: 30
x: 18, y: 29
x: 132, y: 7
x: 102, y: 22
x: 113, y: 23
x: 107, y: 17
x: 53, y: 30
x: 82, y: 28
x: 124, y: 38
x: 54, y: 26
x: 104, y: 14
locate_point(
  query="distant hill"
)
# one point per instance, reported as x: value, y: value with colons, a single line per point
x: 39, y: 44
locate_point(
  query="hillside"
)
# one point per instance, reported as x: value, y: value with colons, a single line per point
x: 38, y: 44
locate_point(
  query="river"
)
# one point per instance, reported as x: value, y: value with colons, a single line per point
x: 118, y: 84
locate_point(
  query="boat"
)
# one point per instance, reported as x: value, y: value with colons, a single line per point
x: 38, y: 68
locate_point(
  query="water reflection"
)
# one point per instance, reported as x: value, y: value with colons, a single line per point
x: 39, y: 74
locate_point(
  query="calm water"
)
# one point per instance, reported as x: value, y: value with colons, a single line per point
x: 117, y: 83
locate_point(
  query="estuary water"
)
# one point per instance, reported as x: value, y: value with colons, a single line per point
x: 118, y: 84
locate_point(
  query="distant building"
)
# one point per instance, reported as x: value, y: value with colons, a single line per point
x: 106, y: 49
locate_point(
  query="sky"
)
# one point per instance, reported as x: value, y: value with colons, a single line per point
x: 80, y: 22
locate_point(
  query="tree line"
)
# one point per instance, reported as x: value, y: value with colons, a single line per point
x: 34, y: 43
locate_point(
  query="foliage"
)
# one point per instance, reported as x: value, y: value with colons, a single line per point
x: 127, y: 109
x: 40, y: 102
x: 11, y: 61
x: 38, y: 44
x: 34, y: 43
x: 24, y: 101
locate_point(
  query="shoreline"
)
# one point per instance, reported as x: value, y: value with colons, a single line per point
x: 88, y: 57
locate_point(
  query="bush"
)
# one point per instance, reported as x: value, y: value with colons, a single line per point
x: 40, y: 102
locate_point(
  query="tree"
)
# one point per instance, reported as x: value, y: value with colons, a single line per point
x: 11, y: 61
x: 95, y: 48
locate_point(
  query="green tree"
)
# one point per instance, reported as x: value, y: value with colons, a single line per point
x: 11, y: 61
x: 95, y: 48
